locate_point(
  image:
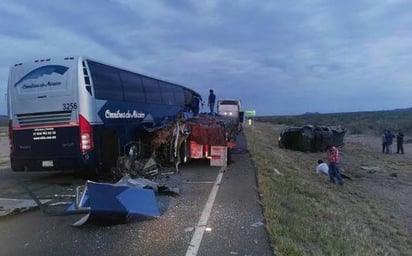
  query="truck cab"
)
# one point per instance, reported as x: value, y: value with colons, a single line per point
x: 231, y: 109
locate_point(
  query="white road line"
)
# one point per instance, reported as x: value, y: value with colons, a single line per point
x: 201, y: 225
x: 199, y: 182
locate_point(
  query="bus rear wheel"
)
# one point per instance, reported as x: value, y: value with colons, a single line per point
x: 109, y: 150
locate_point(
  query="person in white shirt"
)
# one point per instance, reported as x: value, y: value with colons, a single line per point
x: 322, y: 168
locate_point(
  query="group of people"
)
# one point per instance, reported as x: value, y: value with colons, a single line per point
x: 332, y: 168
x: 198, y: 100
x: 387, y: 141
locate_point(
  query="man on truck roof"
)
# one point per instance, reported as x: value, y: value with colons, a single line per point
x: 211, y: 101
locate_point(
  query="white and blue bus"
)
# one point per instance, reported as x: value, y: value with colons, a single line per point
x: 77, y: 113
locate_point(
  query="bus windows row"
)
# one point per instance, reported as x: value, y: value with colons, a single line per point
x: 115, y: 84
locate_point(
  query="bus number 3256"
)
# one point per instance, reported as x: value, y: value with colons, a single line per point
x: 69, y: 106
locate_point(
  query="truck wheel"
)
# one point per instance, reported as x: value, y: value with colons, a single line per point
x: 229, y: 156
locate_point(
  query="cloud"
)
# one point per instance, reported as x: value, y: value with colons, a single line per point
x: 278, y: 57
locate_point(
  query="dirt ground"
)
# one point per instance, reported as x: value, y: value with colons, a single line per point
x: 383, y: 179
x: 386, y: 178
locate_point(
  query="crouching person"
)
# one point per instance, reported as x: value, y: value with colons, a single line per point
x: 322, y: 168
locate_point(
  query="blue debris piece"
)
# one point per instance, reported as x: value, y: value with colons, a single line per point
x: 113, y: 202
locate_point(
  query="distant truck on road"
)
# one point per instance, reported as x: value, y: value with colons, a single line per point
x: 231, y: 108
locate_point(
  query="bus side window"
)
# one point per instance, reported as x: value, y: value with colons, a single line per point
x: 132, y: 87
x: 187, y: 98
x: 179, y: 96
x: 152, y: 90
x: 167, y: 93
x: 106, y: 81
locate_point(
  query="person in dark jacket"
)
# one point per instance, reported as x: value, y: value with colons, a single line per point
x: 399, y: 142
x: 196, y: 100
x: 389, y: 140
x: 384, y: 148
x: 211, y: 101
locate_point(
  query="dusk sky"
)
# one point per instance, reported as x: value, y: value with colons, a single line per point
x: 278, y: 57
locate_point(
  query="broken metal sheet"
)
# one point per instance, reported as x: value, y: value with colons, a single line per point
x: 130, y: 165
x: 111, y: 203
x: 167, y: 184
x: 81, y: 221
x: 11, y: 206
x: 370, y: 168
x: 150, y: 165
x: 139, y: 183
x: 277, y: 172
x: 170, y: 184
x: 257, y: 224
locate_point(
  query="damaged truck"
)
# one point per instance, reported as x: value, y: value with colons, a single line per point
x: 178, y: 141
x: 311, y: 138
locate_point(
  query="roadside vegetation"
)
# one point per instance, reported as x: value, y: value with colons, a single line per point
x: 356, y: 122
x: 307, y: 215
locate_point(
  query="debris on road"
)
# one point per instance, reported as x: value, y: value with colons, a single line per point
x: 277, y: 172
x: 370, y: 169
x: 124, y: 200
x: 114, y: 203
x: 257, y: 224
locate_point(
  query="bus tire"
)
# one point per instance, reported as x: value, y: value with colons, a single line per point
x: 109, y: 150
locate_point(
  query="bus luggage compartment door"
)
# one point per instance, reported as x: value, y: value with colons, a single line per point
x: 46, y: 148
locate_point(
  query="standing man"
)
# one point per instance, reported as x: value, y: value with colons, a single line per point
x: 384, y: 148
x: 196, y: 100
x: 211, y: 101
x: 333, y: 157
x: 399, y: 142
x: 389, y: 141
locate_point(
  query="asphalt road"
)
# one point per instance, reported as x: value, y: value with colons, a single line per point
x: 217, y: 213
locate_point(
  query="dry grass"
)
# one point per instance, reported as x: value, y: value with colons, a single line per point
x: 306, y: 215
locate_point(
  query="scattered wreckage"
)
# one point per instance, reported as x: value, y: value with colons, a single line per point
x: 311, y: 138
x: 149, y: 168
x: 176, y: 142
x: 116, y: 203
x: 105, y: 203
